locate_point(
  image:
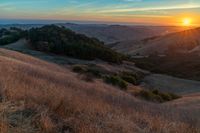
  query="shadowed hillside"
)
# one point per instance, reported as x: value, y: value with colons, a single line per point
x: 186, y: 65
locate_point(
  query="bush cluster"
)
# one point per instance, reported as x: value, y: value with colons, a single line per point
x: 116, y: 81
x: 95, y: 71
x: 132, y: 77
x: 157, y: 96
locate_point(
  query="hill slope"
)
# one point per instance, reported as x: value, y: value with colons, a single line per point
x: 117, y: 33
x: 38, y: 96
x: 181, y: 41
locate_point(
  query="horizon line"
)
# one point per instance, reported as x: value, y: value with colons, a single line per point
x: 21, y: 21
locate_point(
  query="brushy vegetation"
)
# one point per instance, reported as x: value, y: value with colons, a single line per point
x: 132, y: 77
x: 79, y: 68
x: 116, y: 81
x: 93, y: 70
x: 89, y: 73
x: 120, y: 79
x: 60, y: 40
x: 157, y: 96
x: 45, y: 98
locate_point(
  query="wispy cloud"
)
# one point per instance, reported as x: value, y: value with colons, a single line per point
x: 6, y: 7
x: 185, y: 6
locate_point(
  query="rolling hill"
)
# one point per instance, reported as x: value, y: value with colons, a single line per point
x: 184, y: 41
x: 38, y: 96
x: 117, y: 33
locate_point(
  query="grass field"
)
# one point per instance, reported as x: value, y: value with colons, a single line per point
x: 37, y: 96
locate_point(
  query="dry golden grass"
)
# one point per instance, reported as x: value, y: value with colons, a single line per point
x: 46, y: 98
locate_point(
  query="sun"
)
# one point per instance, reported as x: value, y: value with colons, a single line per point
x: 186, y: 22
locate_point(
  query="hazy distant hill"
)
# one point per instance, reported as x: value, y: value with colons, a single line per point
x: 185, y: 41
x: 109, y: 33
x: 116, y: 33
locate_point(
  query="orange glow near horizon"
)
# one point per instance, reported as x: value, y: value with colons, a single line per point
x: 187, y: 22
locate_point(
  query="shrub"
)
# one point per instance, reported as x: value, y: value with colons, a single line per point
x: 116, y: 81
x: 157, y: 96
x: 132, y: 77
x: 150, y: 96
x: 95, y: 71
x: 165, y: 96
x: 91, y: 69
x: 174, y: 96
x: 79, y: 69
x: 129, y: 79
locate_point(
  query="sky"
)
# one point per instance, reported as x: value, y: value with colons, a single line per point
x: 152, y: 12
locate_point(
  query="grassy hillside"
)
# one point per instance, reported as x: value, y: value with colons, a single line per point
x: 113, y: 33
x: 42, y: 97
x: 185, y: 66
x: 183, y: 41
x: 63, y: 41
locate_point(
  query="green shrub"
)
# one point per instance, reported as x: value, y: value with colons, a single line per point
x: 150, y: 96
x: 132, y: 77
x: 79, y: 69
x: 129, y: 79
x: 95, y: 71
x: 165, y: 96
x: 156, y: 92
x: 116, y: 81
x: 157, y: 96
x: 174, y: 96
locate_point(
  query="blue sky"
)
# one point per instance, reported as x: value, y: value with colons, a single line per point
x: 132, y: 11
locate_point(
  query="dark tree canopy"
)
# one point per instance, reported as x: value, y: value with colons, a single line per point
x: 11, y: 35
x: 60, y: 40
